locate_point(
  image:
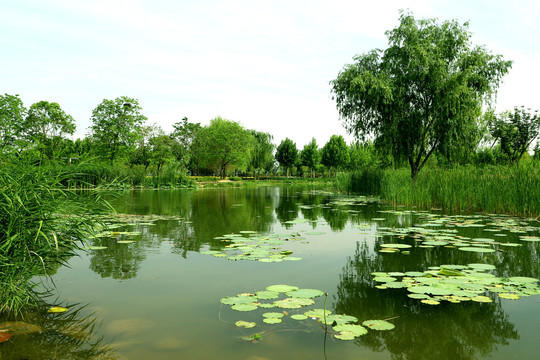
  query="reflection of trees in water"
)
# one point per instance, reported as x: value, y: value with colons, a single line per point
x: 68, y: 336
x: 119, y: 261
x: 287, y: 206
x: 448, y: 331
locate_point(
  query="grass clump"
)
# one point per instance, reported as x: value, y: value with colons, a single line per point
x: 40, y: 228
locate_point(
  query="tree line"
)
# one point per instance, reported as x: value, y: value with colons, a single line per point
x: 425, y: 99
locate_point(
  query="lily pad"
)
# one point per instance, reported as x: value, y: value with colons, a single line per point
x: 281, y: 288
x: 57, y: 309
x: 430, y: 302
x: 237, y: 300
x: 244, y: 307
x: 476, y: 249
x: 483, y: 299
x: 273, y: 315
x: 293, y: 303
x: 305, y: 293
x: 357, y: 330
x: 396, y: 246
x: 245, y: 324
x: 272, y: 320
x: 338, y: 319
x: 378, y: 325
x: 345, y: 335
x: 317, y: 313
x: 265, y: 294
x: 298, y: 317
x: 510, y: 296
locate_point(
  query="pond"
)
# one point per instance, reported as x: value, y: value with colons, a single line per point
x: 176, y: 270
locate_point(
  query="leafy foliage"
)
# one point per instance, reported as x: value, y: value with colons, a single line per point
x: 311, y: 156
x: 422, y: 92
x: 286, y: 154
x: 12, y: 116
x: 335, y: 153
x: 116, y: 125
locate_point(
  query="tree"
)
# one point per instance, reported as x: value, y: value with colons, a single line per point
x: 335, y: 153
x: 262, y: 152
x: 362, y: 155
x: 515, y: 131
x: 225, y: 144
x: 46, y: 124
x: 311, y: 156
x: 422, y: 92
x: 161, y: 151
x: 286, y: 154
x: 184, y: 135
x: 116, y: 125
x: 12, y: 116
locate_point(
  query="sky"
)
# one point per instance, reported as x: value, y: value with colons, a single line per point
x: 264, y: 64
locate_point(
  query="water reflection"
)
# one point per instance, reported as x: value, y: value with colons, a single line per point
x: 69, y: 335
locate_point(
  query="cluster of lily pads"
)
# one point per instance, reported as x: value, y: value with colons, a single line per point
x: 111, y: 224
x: 457, y: 283
x: 249, y: 245
x: 439, y: 230
x: 342, y: 325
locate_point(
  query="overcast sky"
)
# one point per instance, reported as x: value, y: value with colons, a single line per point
x: 265, y: 64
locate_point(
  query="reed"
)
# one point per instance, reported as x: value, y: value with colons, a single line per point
x: 40, y: 228
x: 511, y: 190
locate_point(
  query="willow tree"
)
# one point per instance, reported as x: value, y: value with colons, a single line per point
x: 421, y: 93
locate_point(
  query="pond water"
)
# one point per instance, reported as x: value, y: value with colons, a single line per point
x: 151, y: 287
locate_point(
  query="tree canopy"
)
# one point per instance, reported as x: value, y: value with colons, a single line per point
x: 286, y: 154
x: 311, y: 156
x: 225, y: 144
x: 335, y: 153
x: 116, y: 124
x: 515, y: 131
x: 420, y: 93
x: 12, y: 116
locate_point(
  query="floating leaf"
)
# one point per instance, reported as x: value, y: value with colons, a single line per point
x: 430, y: 302
x: 237, y: 300
x: 244, y: 307
x: 476, y: 249
x: 265, y: 294
x: 305, y: 293
x: 293, y: 303
x: 57, y: 309
x: 396, y: 246
x: 272, y: 320
x: 357, y: 330
x: 281, y: 288
x: 298, y: 317
x: 338, y: 319
x: 273, y: 315
x: 481, y: 266
x: 378, y: 324
x: 483, y: 299
x: 245, y: 324
x: 509, y: 296
x: 317, y: 313
x: 345, y: 335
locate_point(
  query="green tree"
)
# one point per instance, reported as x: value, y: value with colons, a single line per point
x: 363, y: 155
x: 116, y: 125
x: 286, y: 154
x: 311, y: 156
x: 262, y: 152
x: 225, y: 144
x: 515, y: 131
x: 421, y: 92
x: 161, y: 151
x: 335, y: 153
x: 46, y: 125
x: 184, y: 135
x: 12, y: 116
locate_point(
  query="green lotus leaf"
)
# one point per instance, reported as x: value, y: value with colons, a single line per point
x: 384, y: 279
x: 476, y: 249
x: 389, y: 250
x: 245, y: 324
x: 236, y: 300
x: 430, y: 302
x: 379, y: 274
x: 338, y: 319
x: 508, y: 296
x: 378, y: 325
x: 317, y: 313
x: 293, y: 303
x: 272, y: 320
x: 292, y: 258
x: 396, y: 246
x: 418, y: 296
x: 266, y: 305
x: 281, y: 288
x: 265, y: 294
x: 414, y: 273
x: 522, y: 279
x: 482, y: 240
x: 396, y: 273
x: 268, y: 260
x: 510, y: 244
x: 345, y: 335
x: 305, y: 293
x: 244, y: 307
x: 273, y: 315
x: 529, y: 238
x: 124, y: 241
x: 298, y: 317
x: 483, y: 299
x: 357, y: 330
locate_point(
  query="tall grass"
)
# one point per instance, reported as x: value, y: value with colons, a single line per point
x: 497, y: 189
x: 40, y: 228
